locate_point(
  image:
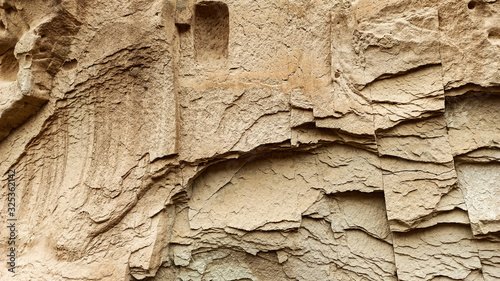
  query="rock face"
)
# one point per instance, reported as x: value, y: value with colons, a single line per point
x: 258, y: 140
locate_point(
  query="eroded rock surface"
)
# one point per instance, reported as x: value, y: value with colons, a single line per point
x: 228, y: 140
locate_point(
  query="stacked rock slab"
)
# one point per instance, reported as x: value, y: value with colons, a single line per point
x: 257, y: 140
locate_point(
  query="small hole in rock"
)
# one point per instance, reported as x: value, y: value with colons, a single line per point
x: 471, y: 5
x: 2, y: 26
x: 9, y: 66
x: 337, y: 74
x: 494, y: 36
x: 68, y: 65
x: 9, y: 10
x: 182, y: 27
x: 27, y: 61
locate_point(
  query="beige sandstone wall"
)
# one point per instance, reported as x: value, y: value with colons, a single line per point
x: 299, y: 140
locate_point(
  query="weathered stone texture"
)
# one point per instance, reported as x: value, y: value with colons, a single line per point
x: 251, y: 140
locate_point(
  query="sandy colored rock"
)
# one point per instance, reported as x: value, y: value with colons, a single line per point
x: 471, y: 122
x: 260, y: 140
x: 479, y: 185
x: 447, y: 251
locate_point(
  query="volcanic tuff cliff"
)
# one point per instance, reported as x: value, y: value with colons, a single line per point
x: 274, y: 140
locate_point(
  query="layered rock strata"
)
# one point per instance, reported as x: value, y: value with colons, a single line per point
x: 254, y: 140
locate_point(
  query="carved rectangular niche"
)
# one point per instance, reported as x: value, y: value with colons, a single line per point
x: 211, y: 30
